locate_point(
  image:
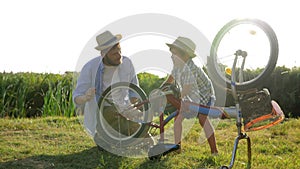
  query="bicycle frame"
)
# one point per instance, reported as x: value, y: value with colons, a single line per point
x: 162, y: 123
x: 215, y: 112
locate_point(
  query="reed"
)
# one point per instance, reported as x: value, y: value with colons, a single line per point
x: 34, y: 94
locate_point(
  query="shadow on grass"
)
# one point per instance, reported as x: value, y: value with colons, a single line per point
x: 85, y: 159
x: 180, y: 163
x: 92, y: 158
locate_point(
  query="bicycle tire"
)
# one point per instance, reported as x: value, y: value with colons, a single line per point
x: 219, y: 78
x: 141, y: 131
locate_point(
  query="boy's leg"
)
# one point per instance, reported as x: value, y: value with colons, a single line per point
x: 209, y: 132
x: 178, y: 128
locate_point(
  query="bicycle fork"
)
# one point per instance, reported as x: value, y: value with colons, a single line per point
x: 238, y: 138
x: 241, y: 135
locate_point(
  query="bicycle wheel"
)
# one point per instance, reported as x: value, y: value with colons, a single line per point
x: 252, y: 37
x: 119, y: 122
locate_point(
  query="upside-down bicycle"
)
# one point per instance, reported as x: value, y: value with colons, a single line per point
x: 253, y: 109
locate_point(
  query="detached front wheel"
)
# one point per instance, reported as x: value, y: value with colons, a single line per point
x: 259, y: 42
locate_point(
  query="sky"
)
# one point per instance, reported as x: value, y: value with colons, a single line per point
x: 50, y: 36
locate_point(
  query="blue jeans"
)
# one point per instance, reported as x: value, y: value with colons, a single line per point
x: 208, y: 109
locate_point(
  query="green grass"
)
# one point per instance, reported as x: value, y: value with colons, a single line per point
x: 59, y: 142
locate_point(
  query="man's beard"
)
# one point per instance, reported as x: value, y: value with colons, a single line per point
x: 109, y: 62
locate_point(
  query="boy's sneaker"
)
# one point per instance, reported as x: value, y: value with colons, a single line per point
x: 177, y: 149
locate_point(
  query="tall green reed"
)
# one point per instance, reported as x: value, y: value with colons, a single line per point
x: 13, y: 92
x: 34, y: 94
x: 58, y: 98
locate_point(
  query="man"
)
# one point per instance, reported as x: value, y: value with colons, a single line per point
x: 195, y: 87
x: 98, y: 74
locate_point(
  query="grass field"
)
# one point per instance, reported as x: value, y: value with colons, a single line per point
x: 59, y: 142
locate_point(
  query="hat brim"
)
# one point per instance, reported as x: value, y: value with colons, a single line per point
x: 118, y: 37
x: 192, y: 54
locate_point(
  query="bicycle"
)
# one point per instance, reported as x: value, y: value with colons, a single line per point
x: 132, y: 104
x: 236, y: 81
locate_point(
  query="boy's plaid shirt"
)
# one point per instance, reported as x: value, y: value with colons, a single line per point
x: 202, y: 89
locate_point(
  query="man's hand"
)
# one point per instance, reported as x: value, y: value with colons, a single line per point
x: 89, y: 94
